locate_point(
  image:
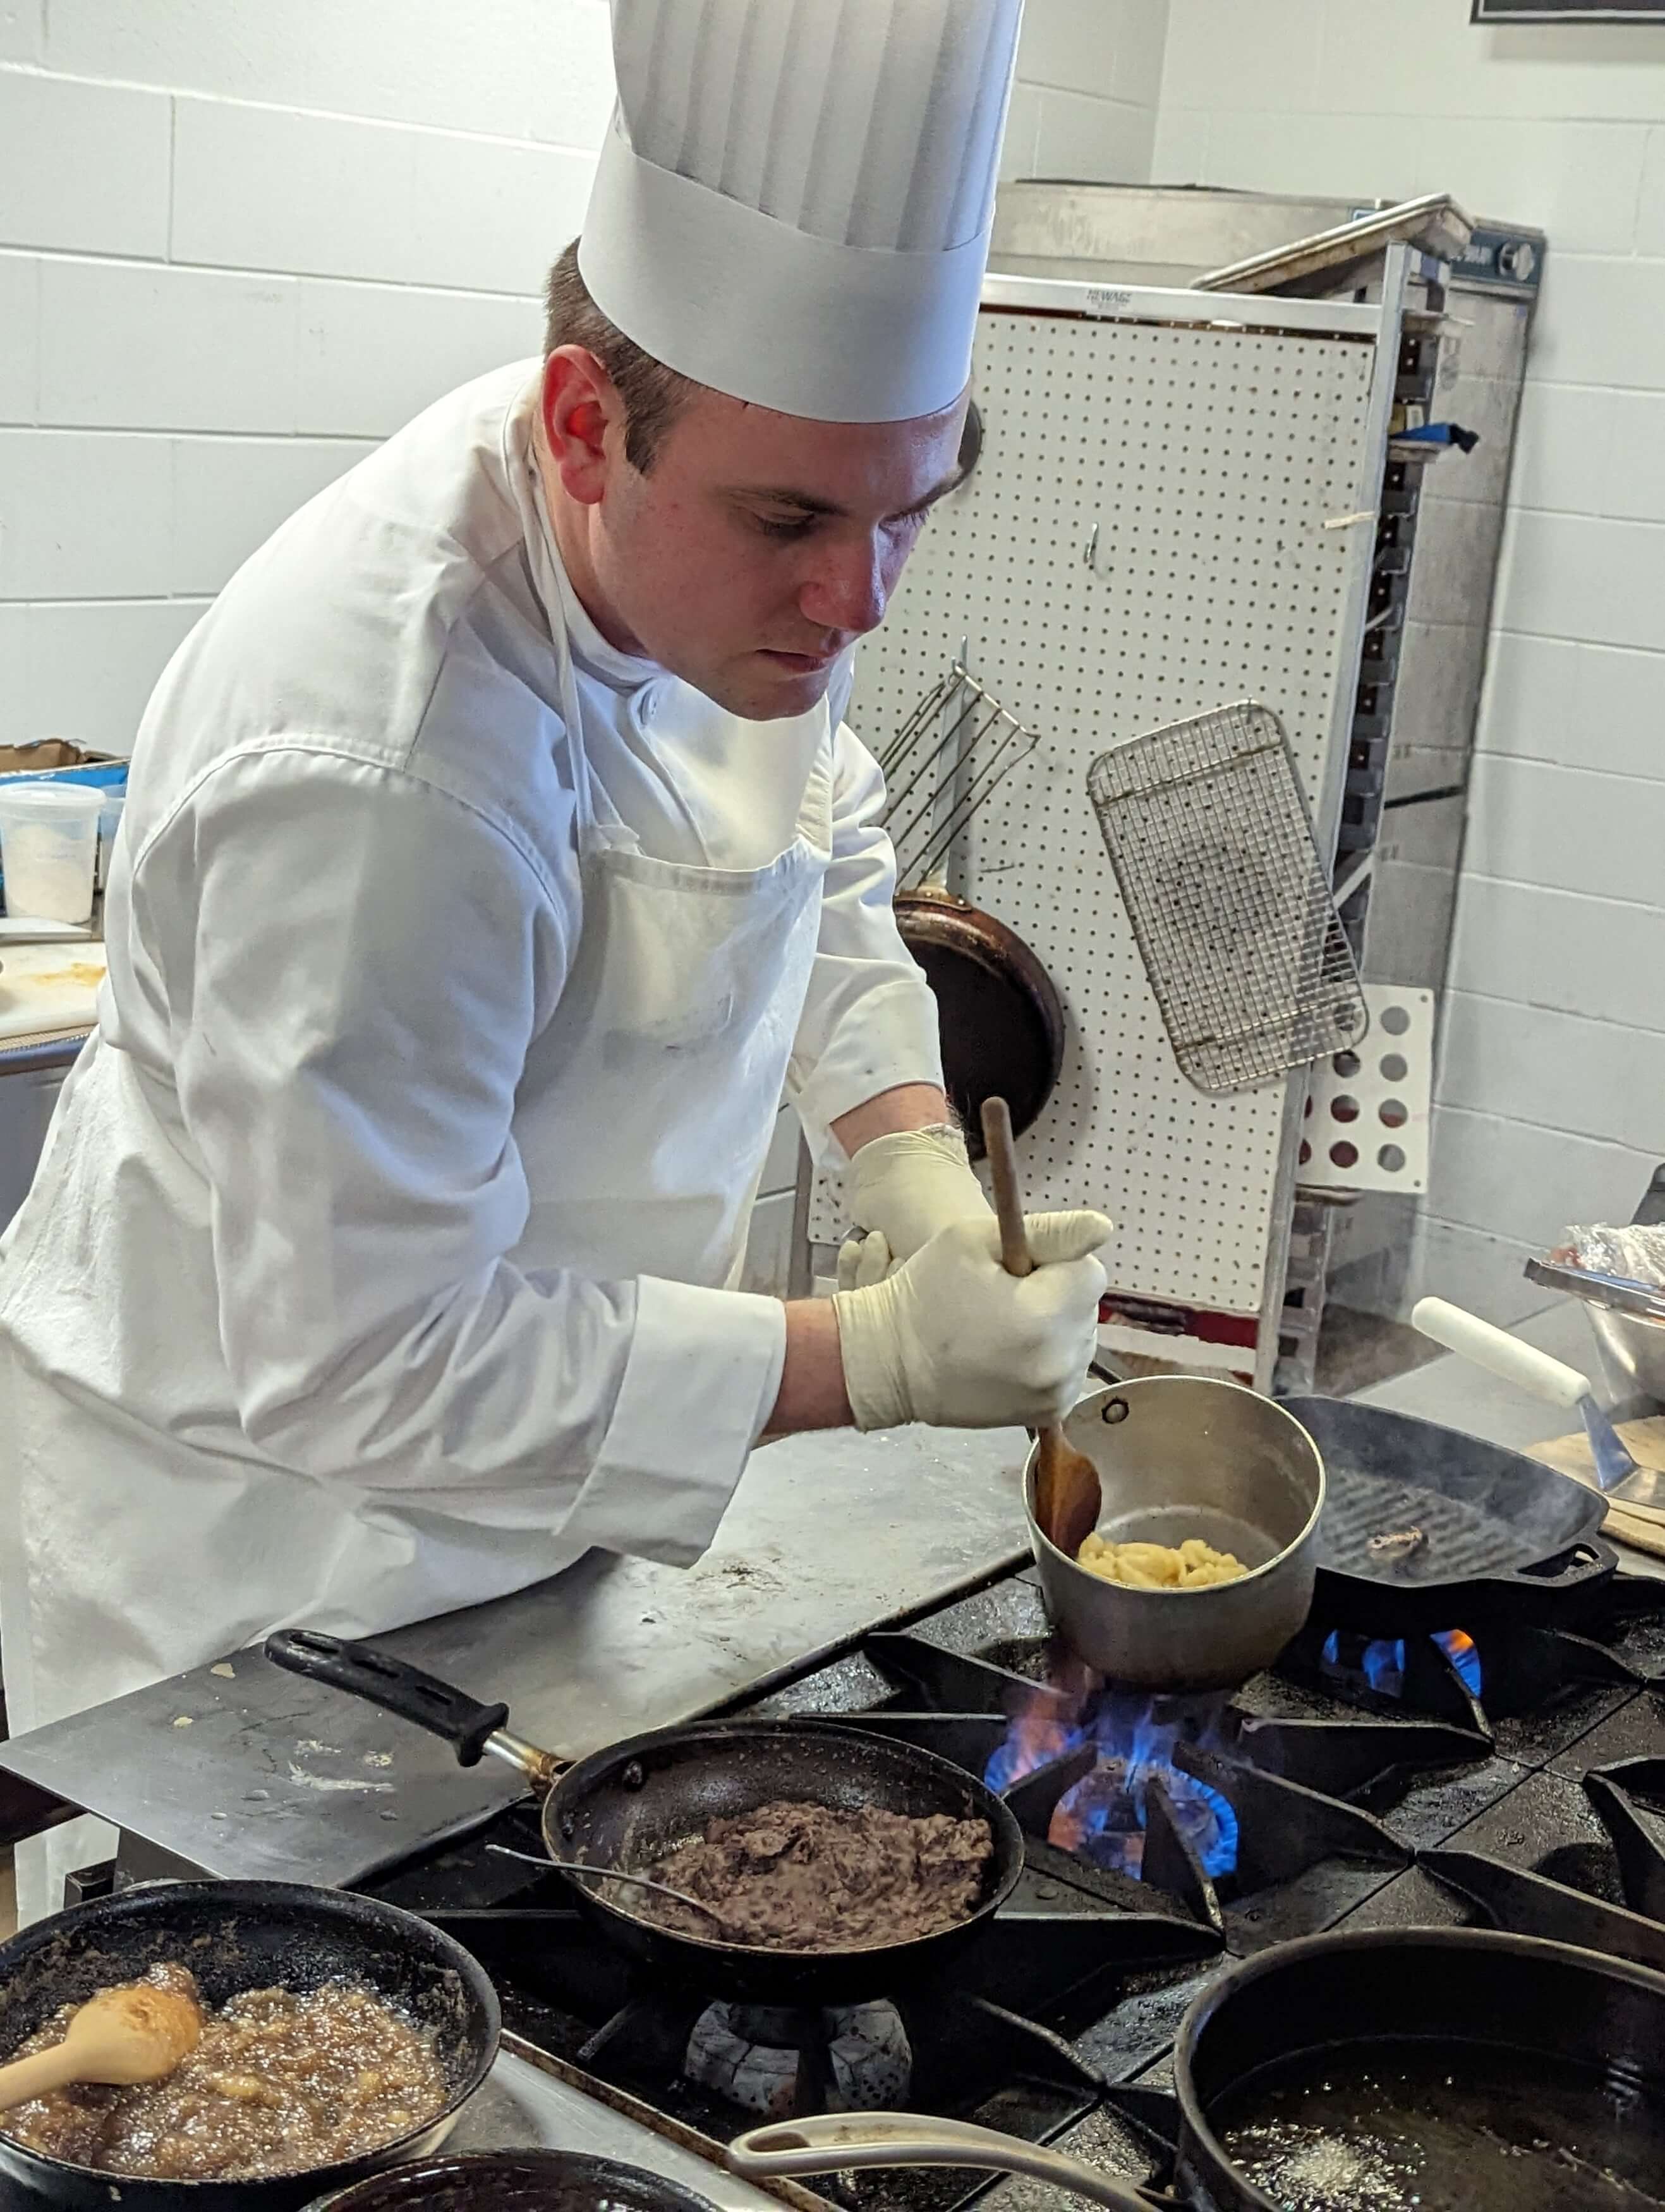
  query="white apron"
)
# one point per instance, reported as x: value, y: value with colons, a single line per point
x: 127, y: 1554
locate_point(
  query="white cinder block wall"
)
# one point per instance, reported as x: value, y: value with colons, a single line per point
x: 1551, y: 1084
x: 242, y: 240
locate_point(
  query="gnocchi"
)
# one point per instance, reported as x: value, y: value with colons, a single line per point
x: 1193, y: 1565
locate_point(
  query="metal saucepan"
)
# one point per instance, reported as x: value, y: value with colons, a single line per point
x: 1179, y: 1456
x: 237, y: 1935
x: 517, y: 2181
x: 625, y: 1806
x: 1457, y: 2069
x: 1001, y: 1019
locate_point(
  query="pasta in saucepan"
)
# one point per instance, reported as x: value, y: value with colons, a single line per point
x: 1190, y: 1565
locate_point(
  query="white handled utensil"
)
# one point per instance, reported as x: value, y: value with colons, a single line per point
x: 1617, y: 1474
x: 831, y: 2142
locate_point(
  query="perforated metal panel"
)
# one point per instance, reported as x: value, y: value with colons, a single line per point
x: 1144, y: 537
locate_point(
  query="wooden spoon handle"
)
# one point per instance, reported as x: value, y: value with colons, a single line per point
x: 1008, y: 1198
x: 33, y: 2077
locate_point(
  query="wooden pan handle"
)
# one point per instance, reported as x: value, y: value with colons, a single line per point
x: 1008, y: 1198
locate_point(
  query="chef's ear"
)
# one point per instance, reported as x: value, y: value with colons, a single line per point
x: 580, y: 405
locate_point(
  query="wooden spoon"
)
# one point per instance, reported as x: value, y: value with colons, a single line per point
x: 1068, y: 1497
x: 134, y: 2033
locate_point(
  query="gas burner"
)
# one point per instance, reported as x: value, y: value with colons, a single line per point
x: 782, y: 2061
x: 1514, y: 1774
x: 1379, y: 1663
x: 1103, y: 1817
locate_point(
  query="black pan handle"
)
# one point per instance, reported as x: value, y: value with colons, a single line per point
x: 366, y: 1671
x: 1588, y: 1560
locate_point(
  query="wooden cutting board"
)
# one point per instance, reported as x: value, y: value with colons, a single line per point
x: 46, y: 989
x: 1641, y: 1525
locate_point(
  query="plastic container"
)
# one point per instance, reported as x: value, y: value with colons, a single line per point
x: 109, y: 821
x: 49, y: 849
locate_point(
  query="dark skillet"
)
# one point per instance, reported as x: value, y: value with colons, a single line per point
x: 1001, y: 1018
x: 1453, y: 2068
x: 1460, y: 2046
x: 237, y: 1935
x: 1498, y: 1533
x: 625, y: 1806
x: 517, y: 2181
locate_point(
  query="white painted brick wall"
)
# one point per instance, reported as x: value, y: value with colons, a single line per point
x: 1551, y: 1083
x: 240, y: 242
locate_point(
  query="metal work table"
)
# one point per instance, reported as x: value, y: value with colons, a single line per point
x: 242, y: 1770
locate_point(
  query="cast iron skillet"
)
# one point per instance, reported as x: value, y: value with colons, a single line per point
x: 1500, y: 1533
x: 1457, y: 2068
x: 517, y: 2181
x: 1383, y: 2003
x: 237, y: 1935
x: 626, y: 1805
x: 1001, y: 1019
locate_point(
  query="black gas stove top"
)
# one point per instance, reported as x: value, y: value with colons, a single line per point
x: 1514, y: 1778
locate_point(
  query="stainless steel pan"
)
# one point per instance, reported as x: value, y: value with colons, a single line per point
x: 1179, y: 1456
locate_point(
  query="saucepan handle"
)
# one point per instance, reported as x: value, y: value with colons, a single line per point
x: 832, y: 2141
x: 1500, y: 1354
x: 363, y: 1670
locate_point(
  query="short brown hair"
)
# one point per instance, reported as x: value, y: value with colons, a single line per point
x: 653, y: 395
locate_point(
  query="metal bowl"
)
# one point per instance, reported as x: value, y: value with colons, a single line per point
x: 1179, y: 1456
x: 1634, y: 1346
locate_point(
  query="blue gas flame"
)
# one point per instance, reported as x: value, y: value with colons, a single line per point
x: 1102, y: 1818
x: 1381, y: 1662
x: 1461, y: 1652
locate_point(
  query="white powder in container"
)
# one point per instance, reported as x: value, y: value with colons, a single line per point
x: 49, y: 849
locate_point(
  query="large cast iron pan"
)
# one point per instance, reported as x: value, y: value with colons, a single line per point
x: 1001, y: 1016
x: 518, y: 2181
x: 237, y: 1935
x: 625, y: 1806
x: 1498, y: 1533
x: 1454, y: 2069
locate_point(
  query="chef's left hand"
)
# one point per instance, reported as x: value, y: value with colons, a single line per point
x: 902, y: 1189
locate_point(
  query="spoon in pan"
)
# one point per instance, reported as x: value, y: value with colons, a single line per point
x: 137, y: 2033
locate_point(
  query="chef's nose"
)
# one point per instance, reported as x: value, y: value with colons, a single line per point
x: 849, y: 589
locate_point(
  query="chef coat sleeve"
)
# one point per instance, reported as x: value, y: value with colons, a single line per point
x: 869, y: 1020
x: 368, y: 959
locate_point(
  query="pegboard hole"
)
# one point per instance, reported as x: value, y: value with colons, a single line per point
x: 1395, y: 1020
x: 1306, y: 1151
x: 1343, y: 1154
x: 1345, y: 1063
x: 1346, y: 1109
x: 1393, y: 1113
x: 1395, y: 1068
x: 1391, y: 1159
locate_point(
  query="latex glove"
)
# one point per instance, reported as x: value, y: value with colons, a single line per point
x: 953, y: 1339
x: 901, y: 1189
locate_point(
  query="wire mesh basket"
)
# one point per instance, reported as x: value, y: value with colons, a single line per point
x: 952, y: 753
x: 1208, y: 828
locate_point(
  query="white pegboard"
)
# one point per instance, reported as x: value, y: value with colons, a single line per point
x: 1367, y: 1116
x: 1199, y: 468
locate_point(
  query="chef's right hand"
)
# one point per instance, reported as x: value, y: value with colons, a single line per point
x: 951, y: 1339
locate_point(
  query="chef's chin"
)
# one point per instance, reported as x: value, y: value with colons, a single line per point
x: 768, y: 687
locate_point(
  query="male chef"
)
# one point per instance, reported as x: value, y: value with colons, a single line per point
x: 494, y: 859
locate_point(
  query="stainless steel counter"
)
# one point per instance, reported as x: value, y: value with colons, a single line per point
x: 241, y: 1770
x: 525, y: 2104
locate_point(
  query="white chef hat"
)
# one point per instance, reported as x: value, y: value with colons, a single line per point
x: 792, y: 203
